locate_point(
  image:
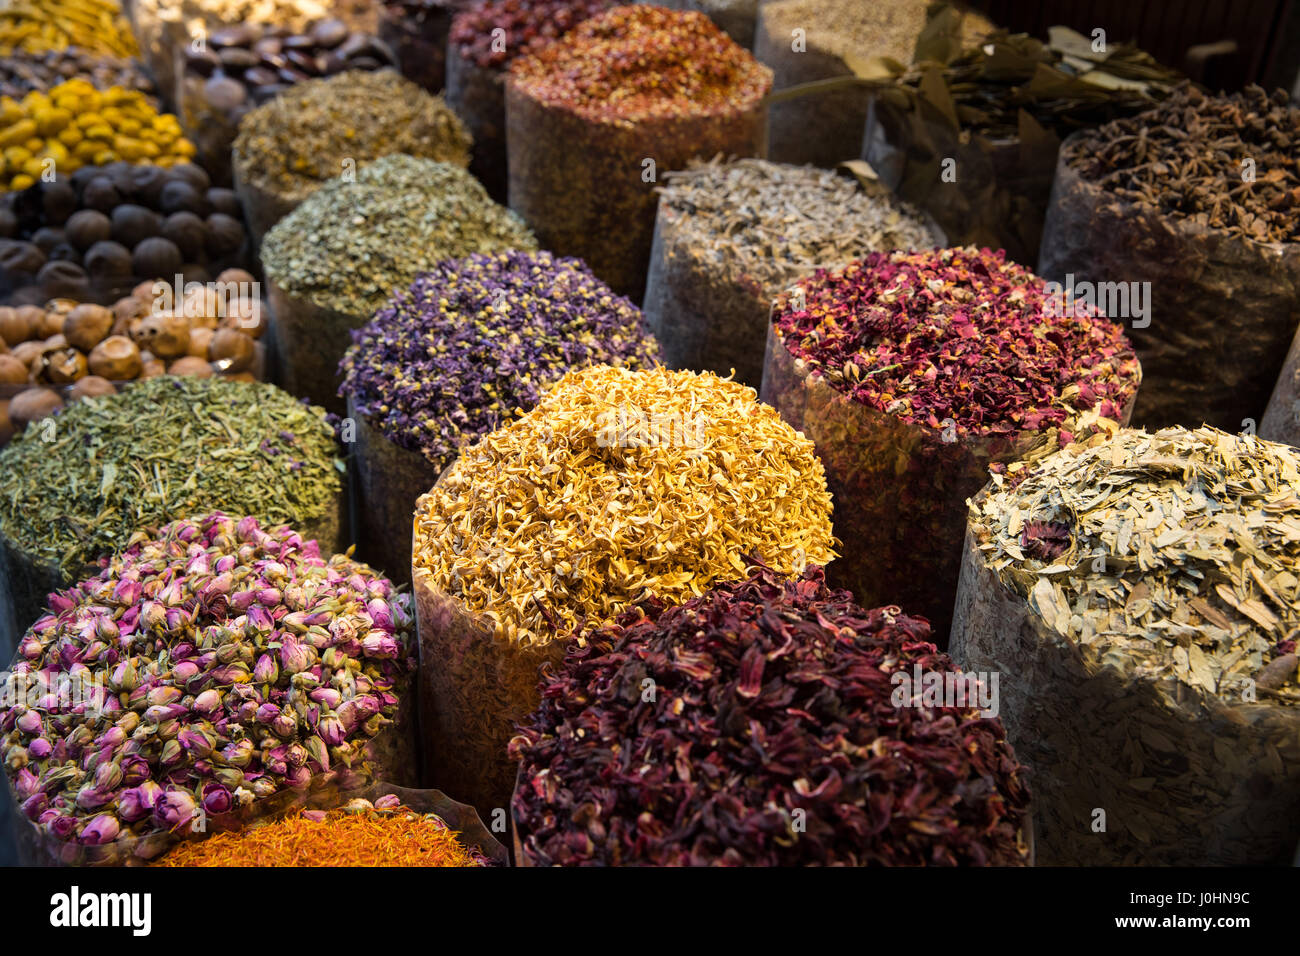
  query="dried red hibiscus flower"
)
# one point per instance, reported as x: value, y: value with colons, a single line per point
x: 756, y: 725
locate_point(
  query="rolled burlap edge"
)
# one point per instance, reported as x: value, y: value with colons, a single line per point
x: 1126, y: 771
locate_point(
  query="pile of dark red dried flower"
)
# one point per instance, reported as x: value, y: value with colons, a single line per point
x: 758, y: 725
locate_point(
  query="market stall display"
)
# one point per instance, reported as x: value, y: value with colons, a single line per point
x: 807, y: 41
x: 162, y: 448
x: 485, y: 37
x: 79, y: 349
x: 385, y: 826
x: 323, y: 130
x: 1141, y: 588
x: 326, y: 278
x: 99, y: 233
x: 595, y: 117
x: 970, y: 133
x: 22, y: 72
x: 718, y: 733
x: 416, y: 31
x: 469, y: 345
x: 618, y: 486
x: 730, y: 236
x: 210, y: 666
x: 243, y: 67
x: 1193, y: 202
x: 914, y: 373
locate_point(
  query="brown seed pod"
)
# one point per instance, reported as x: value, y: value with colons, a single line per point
x: 92, y: 386
x: 201, y: 308
x: 34, y: 316
x: 65, y: 366
x: 233, y: 349
x: 247, y: 315
x: 191, y: 365
x: 239, y: 377
x: 166, y: 334
x: 14, y: 327
x: 12, y: 371
x: 200, y: 339
x: 116, y: 358
x: 87, y: 325
x: 56, y: 341
x: 152, y: 369
x: 52, y: 320
x: 33, y: 405
x: 6, y: 426
x: 28, y: 352
x: 236, y: 275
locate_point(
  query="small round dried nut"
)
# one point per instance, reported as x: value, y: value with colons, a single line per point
x: 87, y: 325
x: 33, y: 405
x: 165, y: 334
x: 116, y: 358
x: 65, y: 366
x: 200, y: 340
x: 6, y: 426
x: 58, y: 341
x: 232, y: 350
x: 236, y: 275
x: 239, y: 377
x: 12, y: 371
x: 54, y: 317
x: 34, y: 316
x: 14, y: 326
x: 248, y: 315
x: 28, y: 352
x: 92, y: 386
x: 191, y: 365
x: 152, y: 369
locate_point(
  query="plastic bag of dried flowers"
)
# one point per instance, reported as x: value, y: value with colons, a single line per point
x: 720, y: 732
x: 595, y: 117
x: 76, y: 487
x: 618, y: 486
x: 326, y: 277
x: 383, y: 825
x: 913, y: 373
x: 321, y: 129
x: 485, y: 37
x: 211, y: 671
x: 1142, y: 587
x: 1220, y: 266
x: 730, y: 236
x: 468, y: 346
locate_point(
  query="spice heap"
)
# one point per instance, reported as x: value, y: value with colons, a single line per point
x: 96, y: 26
x: 960, y: 335
x: 87, y: 347
x: 779, y: 701
x: 999, y: 109
x: 1152, y: 578
x: 635, y: 63
x: 475, y: 341
x: 416, y: 213
x: 383, y: 833
x: 221, y: 664
x: 302, y: 139
x: 75, y: 125
x: 21, y: 72
x: 620, y: 485
x: 733, y: 235
x: 106, y: 228
x: 164, y: 447
x: 522, y: 25
x: 1203, y: 140
x: 1177, y: 596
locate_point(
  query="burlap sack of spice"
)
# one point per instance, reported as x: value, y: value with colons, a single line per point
x: 309, y: 340
x: 899, y: 489
x: 389, y: 479
x: 1281, y: 421
x: 475, y: 684
x: 477, y: 94
x: 579, y: 184
x: 263, y: 208
x: 1183, y: 777
x: 1223, y: 308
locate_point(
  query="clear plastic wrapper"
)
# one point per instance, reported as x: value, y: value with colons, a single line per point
x: 1223, y: 309
x: 585, y: 189
x: 1181, y: 777
x: 899, y: 489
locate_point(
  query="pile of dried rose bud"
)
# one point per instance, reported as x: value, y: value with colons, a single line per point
x: 207, y: 666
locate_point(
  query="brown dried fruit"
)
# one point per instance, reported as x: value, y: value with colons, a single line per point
x: 33, y: 405
x: 14, y: 326
x: 65, y: 366
x: 165, y: 334
x: 87, y: 325
x: 152, y: 369
x: 28, y: 352
x: 51, y: 322
x: 200, y: 340
x: 12, y: 371
x: 190, y: 365
x: 233, y: 349
x: 116, y: 358
x: 6, y: 426
x: 91, y: 386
